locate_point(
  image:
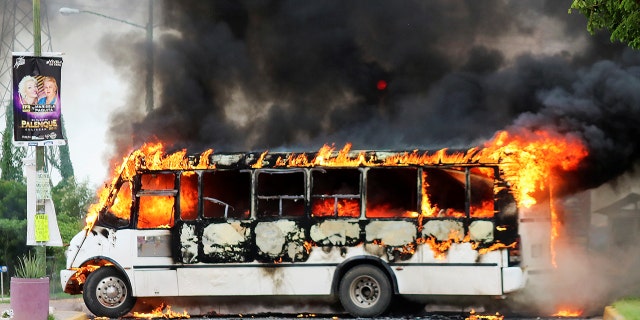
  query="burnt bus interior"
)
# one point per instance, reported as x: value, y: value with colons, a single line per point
x: 193, y: 203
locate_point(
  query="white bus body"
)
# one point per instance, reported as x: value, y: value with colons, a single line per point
x: 362, y: 258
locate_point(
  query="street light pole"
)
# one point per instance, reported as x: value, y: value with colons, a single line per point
x: 149, y: 45
x: 150, y: 71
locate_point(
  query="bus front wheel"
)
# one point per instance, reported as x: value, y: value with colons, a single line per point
x: 365, y: 291
x: 107, y: 293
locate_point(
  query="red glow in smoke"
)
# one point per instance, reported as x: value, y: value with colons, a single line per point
x: 381, y: 85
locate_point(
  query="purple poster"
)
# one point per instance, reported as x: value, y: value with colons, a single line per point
x: 36, y: 101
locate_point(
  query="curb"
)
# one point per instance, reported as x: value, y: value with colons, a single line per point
x: 610, y: 313
x: 70, y: 315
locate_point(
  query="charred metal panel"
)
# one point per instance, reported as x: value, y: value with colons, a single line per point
x: 154, y: 246
x: 188, y: 245
x: 226, y: 242
x: 392, y: 238
x: 280, y: 240
x: 442, y: 229
x: 391, y: 233
x: 481, y: 231
x: 338, y: 232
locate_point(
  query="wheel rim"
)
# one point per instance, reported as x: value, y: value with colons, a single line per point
x: 365, y: 291
x: 111, y: 292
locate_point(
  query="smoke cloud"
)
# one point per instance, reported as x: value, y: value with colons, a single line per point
x: 254, y: 76
x: 292, y: 75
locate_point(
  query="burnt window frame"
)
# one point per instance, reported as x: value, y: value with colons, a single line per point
x: 336, y: 196
x: 466, y: 171
x: 198, y: 208
x: 202, y: 198
x: 139, y: 192
x: 492, y: 187
x: 416, y: 191
x: 258, y: 214
x: 104, y: 213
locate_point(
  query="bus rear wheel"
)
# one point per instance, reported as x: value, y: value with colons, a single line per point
x: 107, y: 293
x: 365, y: 291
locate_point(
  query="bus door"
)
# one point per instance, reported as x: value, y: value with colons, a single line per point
x: 155, y: 206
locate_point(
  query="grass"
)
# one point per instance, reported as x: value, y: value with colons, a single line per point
x: 629, y: 308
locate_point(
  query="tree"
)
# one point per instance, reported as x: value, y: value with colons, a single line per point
x: 13, y: 236
x: 71, y: 201
x: 11, y: 160
x: 620, y: 17
x: 13, y: 202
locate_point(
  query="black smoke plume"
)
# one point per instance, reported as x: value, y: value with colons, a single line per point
x: 294, y: 75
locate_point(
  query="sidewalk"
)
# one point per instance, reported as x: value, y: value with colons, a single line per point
x: 63, y: 309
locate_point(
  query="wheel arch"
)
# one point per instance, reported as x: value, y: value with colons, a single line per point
x: 75, y: 285
x: 349, y: 263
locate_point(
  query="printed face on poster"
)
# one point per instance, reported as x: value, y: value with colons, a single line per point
x: 36, y: 101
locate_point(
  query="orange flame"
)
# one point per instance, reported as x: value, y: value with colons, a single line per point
x: 440, y: 248
x: 474, y: 316
x: 328, y: 206
x: 567, y: 312
x: 527, y: 161
x: 150, y: 156
x: 531, y: 157
x: 162, y: 311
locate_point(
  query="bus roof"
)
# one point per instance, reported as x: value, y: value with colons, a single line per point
x: 348, y: 158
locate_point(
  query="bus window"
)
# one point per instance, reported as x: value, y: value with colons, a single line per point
x: 188, y: 195
x: 392, y: 192
x: 119, y: 213
x: 156, y: 201
x: 445, y: 190
x: 482, y: 200
x: 280, y: 193
x: 226, y: 194
x: 335, y: 193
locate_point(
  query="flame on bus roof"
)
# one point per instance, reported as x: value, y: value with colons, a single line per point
x: 527, y: 160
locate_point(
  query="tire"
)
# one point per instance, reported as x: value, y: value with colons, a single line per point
x: 107, y: 293
x: 365, y: 291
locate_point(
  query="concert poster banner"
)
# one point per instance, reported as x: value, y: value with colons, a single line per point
x: 37, y: 116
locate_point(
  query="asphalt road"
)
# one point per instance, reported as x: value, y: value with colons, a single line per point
x: 280, y: 310
x: 402, y: 310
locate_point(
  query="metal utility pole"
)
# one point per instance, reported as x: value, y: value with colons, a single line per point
x: 41, y: 250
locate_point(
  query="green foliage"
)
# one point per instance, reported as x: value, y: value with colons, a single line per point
x: 13, y: 200
x: 11, y: 160
x: 628, y: 308
x: 620, y: 17
x: 30, y: 266
x: 71, y: 201
x: 13, y: 235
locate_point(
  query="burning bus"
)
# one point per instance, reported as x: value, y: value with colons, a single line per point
x: 359, y: 226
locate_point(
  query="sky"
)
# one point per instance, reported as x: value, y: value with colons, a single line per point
x: 91, y: 88
x: 280, y: 75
